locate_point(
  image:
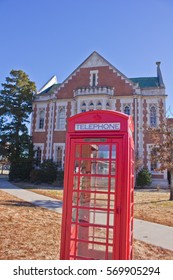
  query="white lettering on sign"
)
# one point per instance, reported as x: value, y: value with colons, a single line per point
x: 97, y: 126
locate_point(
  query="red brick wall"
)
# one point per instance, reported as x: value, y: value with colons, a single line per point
x: 106, y: 77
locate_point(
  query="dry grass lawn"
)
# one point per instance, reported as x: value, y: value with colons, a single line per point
x: 29, y: 232
x: 154, y: 206
x: 26, y: 231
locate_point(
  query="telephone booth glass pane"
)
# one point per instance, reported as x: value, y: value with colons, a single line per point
x: 95, y: 151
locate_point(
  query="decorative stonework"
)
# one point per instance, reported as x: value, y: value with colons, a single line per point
x: 94, y: 61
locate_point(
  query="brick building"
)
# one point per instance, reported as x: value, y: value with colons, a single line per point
x: 97, y: 84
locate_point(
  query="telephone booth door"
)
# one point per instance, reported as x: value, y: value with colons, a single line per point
x: 95, y: 222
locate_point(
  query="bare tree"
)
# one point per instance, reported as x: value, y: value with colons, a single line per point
x: 162, y: 149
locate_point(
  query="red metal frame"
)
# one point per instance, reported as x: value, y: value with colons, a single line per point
x: 97, y: 220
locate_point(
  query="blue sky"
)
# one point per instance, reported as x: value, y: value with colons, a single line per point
x: 52, y: 37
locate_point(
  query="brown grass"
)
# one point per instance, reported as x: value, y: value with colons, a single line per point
x: 154, y: 206
x: 26, y: 231
x: 29, y: 232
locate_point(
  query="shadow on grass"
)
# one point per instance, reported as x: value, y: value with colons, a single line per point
x: 51, y: 205
x: 154, y: 201
x: 41, y: 203
x: 16, y: 203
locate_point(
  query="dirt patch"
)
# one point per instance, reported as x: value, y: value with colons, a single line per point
x: 28, y: 232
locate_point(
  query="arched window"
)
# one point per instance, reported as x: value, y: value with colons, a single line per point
x: 153, y: 118
x: 127, y: 110
x: 91, y: 106
x: 99, y: 105
x: 38, y: 156
x: 83, y: 107
x: 41, y: 119
x: 61, y: 118
x: 108, y: 107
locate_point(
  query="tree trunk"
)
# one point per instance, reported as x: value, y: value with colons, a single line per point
x: 171, y: 185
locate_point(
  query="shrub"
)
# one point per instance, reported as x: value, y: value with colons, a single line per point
x: 20, y: 170
x: 60, y: 178
x: 143, y: 178
x: 36, y: 175
x: 49, y: 171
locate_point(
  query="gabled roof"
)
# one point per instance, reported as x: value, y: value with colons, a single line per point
x: 50, y: 89
x: 96, y: 60
x: 51, y: 82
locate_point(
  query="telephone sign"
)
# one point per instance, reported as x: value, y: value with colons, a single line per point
x: 97, y: 221
x: 97, y: 126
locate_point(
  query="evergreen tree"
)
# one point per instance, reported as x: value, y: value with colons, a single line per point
x: 15, y: 109
x: 143, y: 178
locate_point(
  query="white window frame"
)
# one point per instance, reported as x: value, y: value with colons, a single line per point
x: 40, y: 109
x: 155, y: 107
x: 83, y: 106
x: 41, y: 146
x: 99, y: 105
x: 92, y: 73
x: 149, y: 149
x: 59, y: 107
x: 41, y: 119
x: 55, y: 148
x: 91, y: 105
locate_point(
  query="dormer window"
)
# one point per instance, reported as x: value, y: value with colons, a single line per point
x: 94, y: 78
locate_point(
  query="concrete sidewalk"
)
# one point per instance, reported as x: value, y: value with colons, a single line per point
x: 151, y: 233
x: 154, y: 234
x: 34, y: 198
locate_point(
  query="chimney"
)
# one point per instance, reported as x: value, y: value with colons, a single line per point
x: 159, y: 75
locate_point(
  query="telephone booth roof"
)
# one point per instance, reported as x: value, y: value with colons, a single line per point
x: 81, y: 122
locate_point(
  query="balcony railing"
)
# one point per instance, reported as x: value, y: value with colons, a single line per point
x: 94, y: 90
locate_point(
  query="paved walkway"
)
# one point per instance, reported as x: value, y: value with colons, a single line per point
x: 34, y: 198
x: 151, y: 233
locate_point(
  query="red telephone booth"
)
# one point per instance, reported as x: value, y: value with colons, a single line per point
x: 97, y: 221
